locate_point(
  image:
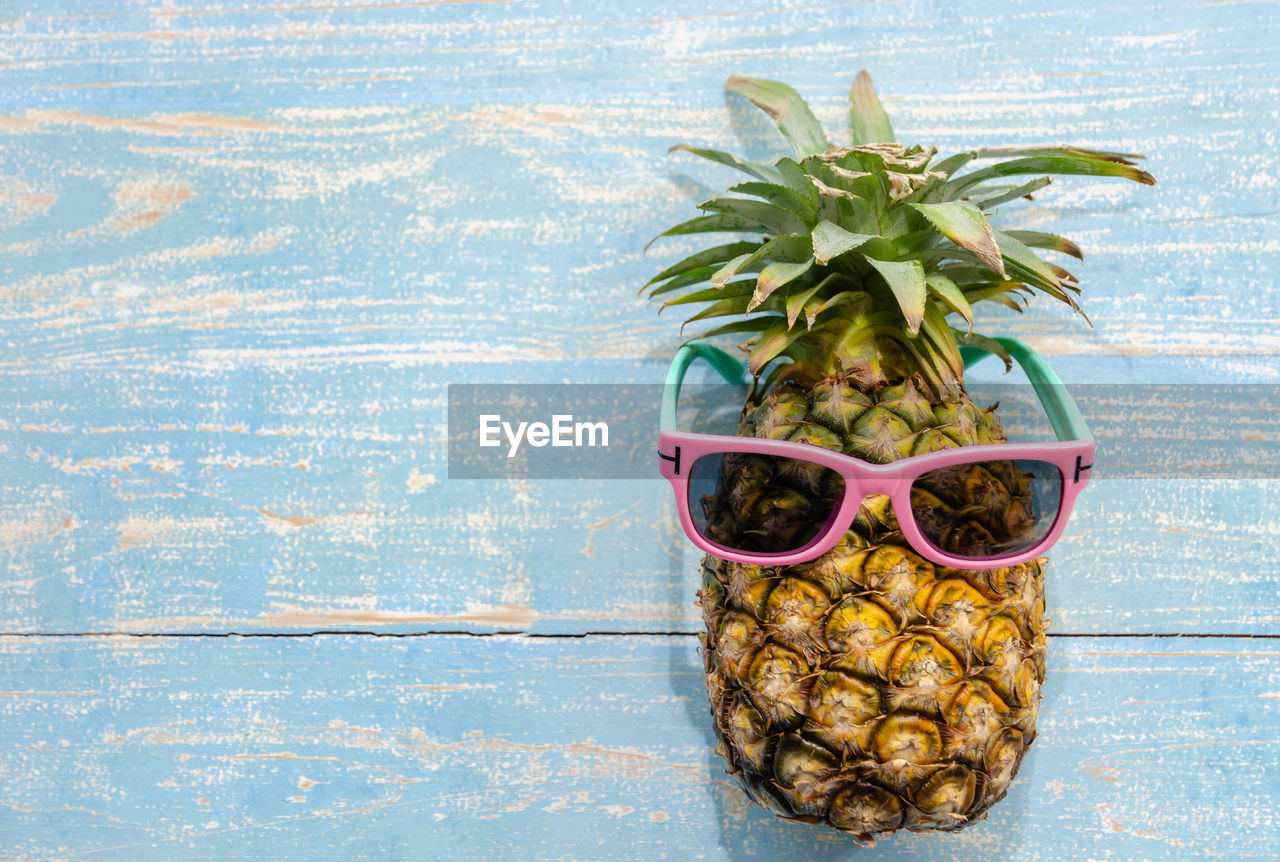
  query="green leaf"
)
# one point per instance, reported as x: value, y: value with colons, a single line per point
x: 783, y: 196
x: 951, y: 164
x: 717, y: 254
x: 940, y: 336
x: 906, y: 280
x: 713, y: 294
x: 796, y: 122
x: 984, y: 344
x: 772, y: 342
x: 1012, y: 193
x: 1074, y: 152
x: 827, y: 191
x: 729, y: 270
x: 857, y: 298
x: 758, y: 323
x: 1051, y: 241
x: 1065, y: 278
x: 688, y: 279
x: 707, y: 224
x: 867, y: 118
x: 794, y: 178
x: 734, y: 305
x: 966, y: 226
x: 1052, y: 164
x: 791, y: 248
x: 774, y: 276
x: 760, y: 172
x: 992, y: 290
x: 796, y: 300
x: 830, y: 241
x: 1026, y: 261
x: 767, y: 215
x: 946, y: 291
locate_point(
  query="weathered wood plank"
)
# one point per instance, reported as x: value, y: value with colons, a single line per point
x: 257, y: 549
x: 279, y: 510
x: 244, y: 250
x: 575, y: 748
x: 162, y: 216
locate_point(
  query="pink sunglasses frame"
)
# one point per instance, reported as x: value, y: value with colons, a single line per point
x: 678, y: 450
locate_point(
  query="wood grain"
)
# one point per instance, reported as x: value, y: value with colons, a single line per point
x: 244, y: 248
x: 237, y: 279
x: 457, y: 747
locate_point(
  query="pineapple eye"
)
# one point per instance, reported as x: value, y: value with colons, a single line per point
x: 762, y: 503
x: 988, y: 509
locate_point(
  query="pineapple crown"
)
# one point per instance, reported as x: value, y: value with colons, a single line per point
x: 854, y: 257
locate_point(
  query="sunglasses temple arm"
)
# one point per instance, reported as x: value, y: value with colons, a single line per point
x: 730, y: 368
x: 1065, y: 417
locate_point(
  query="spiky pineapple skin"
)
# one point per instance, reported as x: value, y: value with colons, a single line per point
x: 870, y: 689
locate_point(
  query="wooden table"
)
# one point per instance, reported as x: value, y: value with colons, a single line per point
x: 246, y: 614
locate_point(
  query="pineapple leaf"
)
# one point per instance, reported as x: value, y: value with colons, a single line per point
x: 717, y: 254
x: 1009, y: 301
x: 1013, y: 193
x: 783, y: 196
x: 1065, y: 278
x: 830, y: 241
x: 945, y: 290
x: 985, y: 344
x: 712, y: 294
x: 951, y: 164
x: 793, y: 177
x: 797, y: 300
x: 772, y: 342
x: 827, y: 191
x: 790, y: 248
x: 760, y: 172
x: 796, y: 122
x: 992, y: 290
x: 774, y: 276
x: 1051, y: 241
x: 1026, y: 261
x: 966, y: 226
x: 729, y: 270
x: 939, y: 336
x: 759, y: 323
x: 1049, y: 164
x: 869, y: 122
x: 1075, y: 152
x: 695, y: 276
x: 860, y: 300
x: 906, y: 281
x: 735, y: 305
x: 767, y: 215
x: 708, y: 224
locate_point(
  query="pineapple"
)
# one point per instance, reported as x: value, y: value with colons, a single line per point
x: 870, y: 690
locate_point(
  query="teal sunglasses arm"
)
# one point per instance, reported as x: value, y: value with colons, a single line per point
x: 731, y: 369
x: 1065, y: 417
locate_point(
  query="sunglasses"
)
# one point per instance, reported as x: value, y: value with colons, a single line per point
x: 776, y: 502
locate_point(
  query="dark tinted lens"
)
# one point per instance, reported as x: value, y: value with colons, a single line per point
x: 988, y: 508
x: 759, y: 503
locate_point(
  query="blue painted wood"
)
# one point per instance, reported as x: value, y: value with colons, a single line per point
x: 576, y: 748
x: 237, y: 278
x: 244, y: 249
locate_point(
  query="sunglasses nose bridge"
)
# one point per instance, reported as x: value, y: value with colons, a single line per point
x: 870, y: 479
